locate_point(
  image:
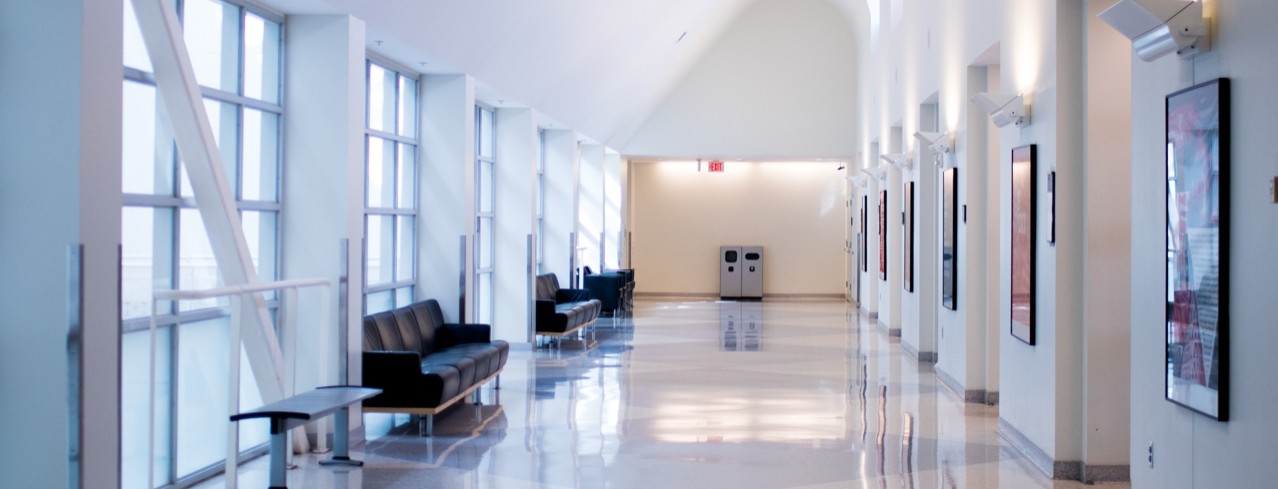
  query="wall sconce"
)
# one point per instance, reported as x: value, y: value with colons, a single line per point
x: 1158, y: 27
x: 875, y: 172
x: 1003, y: 109
x: 901, y: 161
x: 941, y: 144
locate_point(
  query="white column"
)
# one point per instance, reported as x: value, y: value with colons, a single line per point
x: 613, y: 198
x: 59, y: 186
x: 1107, y: 267
x: 516, y: 211
x: 590, y: 210
x: 323, y: 187
x: 560, y: 217
x: 446, y: 199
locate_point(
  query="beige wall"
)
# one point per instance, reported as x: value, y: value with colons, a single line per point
x: 680, y: 217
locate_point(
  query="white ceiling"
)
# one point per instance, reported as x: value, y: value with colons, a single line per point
x: 600, y: 67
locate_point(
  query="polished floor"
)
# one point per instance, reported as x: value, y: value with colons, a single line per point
x: 698, y: 395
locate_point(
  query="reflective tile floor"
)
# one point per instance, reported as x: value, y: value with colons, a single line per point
x: 697, y: 395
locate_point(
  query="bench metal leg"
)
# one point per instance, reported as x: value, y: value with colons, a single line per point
x: 279, y: 445
x: 341, y: 440
x: 426, y: 425
x: 478, y: 401
x: 497, y: 383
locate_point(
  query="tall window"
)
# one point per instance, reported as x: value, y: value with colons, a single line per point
x: 235, y: 52
x: 484, y: 214
x: 390, y: 176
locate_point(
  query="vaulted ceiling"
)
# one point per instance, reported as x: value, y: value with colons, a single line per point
x: 600, y: 67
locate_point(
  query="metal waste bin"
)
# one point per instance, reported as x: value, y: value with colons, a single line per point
x: 741, y: 272
x: 729, y: 271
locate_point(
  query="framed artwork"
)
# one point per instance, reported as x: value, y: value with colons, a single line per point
x: 949, y: 239
x: 1023, y: 210
x: 865, y: 232
x: 883, y: 234
x: 1197, y: 248
x: 908, y: 253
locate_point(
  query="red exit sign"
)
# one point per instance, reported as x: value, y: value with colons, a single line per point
x: 716, y: 166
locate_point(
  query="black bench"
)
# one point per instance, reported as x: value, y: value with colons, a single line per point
x: 562, y: 312
x: 298, y: 410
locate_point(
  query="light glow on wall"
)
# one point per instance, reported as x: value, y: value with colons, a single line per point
x: 1030, y: 26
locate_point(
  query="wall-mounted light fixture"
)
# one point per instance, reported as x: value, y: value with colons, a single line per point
x: 1159, y: 27
x: 941, y: 144
x: 1003, y: 109
x: 875, y: 172
x: 901, y: 161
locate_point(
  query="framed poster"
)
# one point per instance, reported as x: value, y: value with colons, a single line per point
x: 1197, y: 245
x: 1023, y: 210
x: 908, y: 253
x: 883, y: 234
x: 865, y: 232
x: 949, y: 239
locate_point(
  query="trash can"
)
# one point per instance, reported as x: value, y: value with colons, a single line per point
x: 752, y: 272
x: 729, y: 272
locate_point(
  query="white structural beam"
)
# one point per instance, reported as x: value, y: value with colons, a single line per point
x: 516, y: 213
x: 560, y: 200
x: 175, y: 81
x: 613, y: 198
x: 446, y: 199
x: 591, y: 208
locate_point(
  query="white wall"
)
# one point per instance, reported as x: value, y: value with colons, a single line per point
x: 516, y: 214
x: 680, y: 218
x: 780, y: 84
x: 446, y: 179
x: 323, y: 191
x: 560, y: 201
x: 1192, y: 451
x: 59, y: 186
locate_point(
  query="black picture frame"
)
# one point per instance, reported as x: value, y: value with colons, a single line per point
x: 1022, y: 276
x: 949, y: 239
x: 907, y: 252
x: 1197, y: 239
x: 1051, y: 202
x: 883, y: 271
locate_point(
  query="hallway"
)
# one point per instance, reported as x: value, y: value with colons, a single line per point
x: 696, y: 395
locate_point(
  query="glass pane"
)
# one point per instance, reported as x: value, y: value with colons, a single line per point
x: 212, y: 33
x: 381, y: 173
x: 135, y: 392
x: 379, y: 301
x: 485, y: 133
x: 404, y: 248
x: 197, y: 269
x: 147, y: 150
x: 260, y: 232
x: 485, y: 192
x: 379, y: 238
x: 484, y: 308
x: 202, y: 377
x: 381, y: 98
x: 135, y: 55
x: 407, y: 180
x: 147, y: 241
x: 261, y: 59
x: 253, y: 432
x: 407, y: 107
x: 261, y: 156
x: 403, y: 296
x: 485, y: 242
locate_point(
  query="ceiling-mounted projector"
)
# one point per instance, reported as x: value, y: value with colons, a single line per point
x: 1003, y: 109
x: 899, y: 160
x: 1158, y: 27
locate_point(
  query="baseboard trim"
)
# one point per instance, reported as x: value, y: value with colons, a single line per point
x: 1106, y: 473
x: 921, y: 356
x: 766, y: 297
x: 971, y: 396
x: 1056, y: 469
x: 893, y: 332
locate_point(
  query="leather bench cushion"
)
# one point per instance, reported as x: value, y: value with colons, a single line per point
x: 465, y: 365
x: 436, y: 384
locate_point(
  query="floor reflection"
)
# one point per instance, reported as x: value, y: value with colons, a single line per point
x: 666, y: 398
